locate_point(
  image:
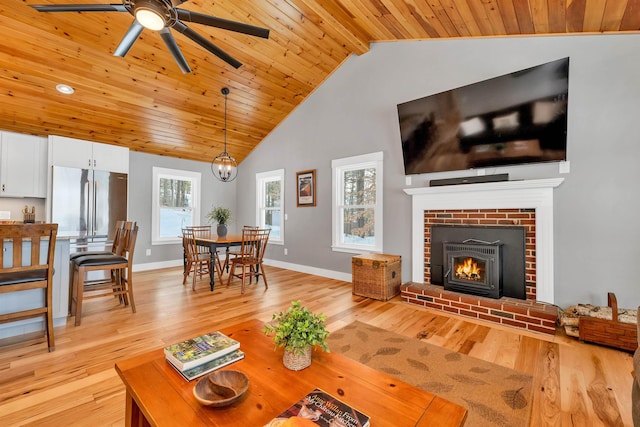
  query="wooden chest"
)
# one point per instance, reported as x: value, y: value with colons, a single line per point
x: 376, y: 276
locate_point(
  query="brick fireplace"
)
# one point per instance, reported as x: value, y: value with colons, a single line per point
x: 525, y: 203
x: 525, y: 218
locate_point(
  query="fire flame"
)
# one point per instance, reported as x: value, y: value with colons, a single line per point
x: 468, y: 269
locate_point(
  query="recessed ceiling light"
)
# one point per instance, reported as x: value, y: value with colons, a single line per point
x: 66, y: 89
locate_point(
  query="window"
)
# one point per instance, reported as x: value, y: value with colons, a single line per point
x: 357, y: 203
x: 270, y: 203
x: 175, y: 203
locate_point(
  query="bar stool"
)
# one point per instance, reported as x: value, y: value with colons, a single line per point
x: 118, y: 264
x: 24, y: 272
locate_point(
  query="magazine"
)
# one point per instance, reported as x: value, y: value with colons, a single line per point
x: 319, y: 408
x: 196, y: 351
x: 210, y: 366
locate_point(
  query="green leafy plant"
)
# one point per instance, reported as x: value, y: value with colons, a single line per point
x: 219, y: 215
x: 297, y: 328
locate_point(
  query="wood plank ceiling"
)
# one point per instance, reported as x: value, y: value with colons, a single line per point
x: 144, y: 102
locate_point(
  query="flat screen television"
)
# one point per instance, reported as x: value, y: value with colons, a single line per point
x: 512, y: 119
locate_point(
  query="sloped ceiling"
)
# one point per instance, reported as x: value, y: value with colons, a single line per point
x: 143, y: 101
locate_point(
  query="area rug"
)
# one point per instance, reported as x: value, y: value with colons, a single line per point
x: 492, y: 394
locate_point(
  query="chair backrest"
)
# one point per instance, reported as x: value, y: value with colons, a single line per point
x: 189, y: 243
x: 117, y: 235
x: 199, y: 229
x: 129, y: 236
x: 254, y: 242
x: 127, y: 240
x: 18, y: 235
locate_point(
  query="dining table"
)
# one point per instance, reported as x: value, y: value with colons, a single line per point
x: 214, y: 242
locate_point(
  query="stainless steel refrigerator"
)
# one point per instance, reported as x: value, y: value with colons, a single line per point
x: 86, y: 204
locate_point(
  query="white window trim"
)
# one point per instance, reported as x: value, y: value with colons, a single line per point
x: 339, y: 166
x: 159, y: 173
x: 261, y: 179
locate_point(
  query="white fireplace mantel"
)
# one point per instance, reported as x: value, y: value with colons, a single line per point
x: 527, y: 194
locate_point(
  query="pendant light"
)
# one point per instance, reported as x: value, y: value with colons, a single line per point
x: 224, y: 167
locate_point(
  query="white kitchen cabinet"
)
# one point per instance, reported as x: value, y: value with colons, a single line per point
x: 23, y: 165
x: 82, y: 154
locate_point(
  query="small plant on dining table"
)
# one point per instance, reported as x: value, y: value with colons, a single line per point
x: 219, y: 215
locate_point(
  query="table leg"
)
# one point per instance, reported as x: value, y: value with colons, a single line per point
x: 226, y: 260
x: 212, y: 267
x: 133, y: 415
x: 184, y: 260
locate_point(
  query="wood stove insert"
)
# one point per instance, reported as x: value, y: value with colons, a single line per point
x: 512, y: 239
x: 473, y: 267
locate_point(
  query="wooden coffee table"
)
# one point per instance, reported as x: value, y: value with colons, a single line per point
x: 158, y: 396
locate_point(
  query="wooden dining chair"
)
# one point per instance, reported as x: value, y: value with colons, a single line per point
x: 120, y: 268
x: 204, y: 231
x: 234, y: 251
x: 28, y: 268
x: 249, y: 260
x: 197, y: 261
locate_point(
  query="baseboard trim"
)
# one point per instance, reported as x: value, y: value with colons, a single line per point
x: 330, y: 274
x: 157, y: 265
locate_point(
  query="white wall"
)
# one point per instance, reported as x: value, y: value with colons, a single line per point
x: 354, y: 112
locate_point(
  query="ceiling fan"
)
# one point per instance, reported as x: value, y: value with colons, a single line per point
x: 160, y: 15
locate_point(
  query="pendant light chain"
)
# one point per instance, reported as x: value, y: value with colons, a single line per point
x: 224, y: 167
x: 225, y: 120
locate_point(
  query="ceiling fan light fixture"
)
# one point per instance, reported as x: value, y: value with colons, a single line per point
x: 150, y: 19
x: 151, y: 14
x: 224, y: 166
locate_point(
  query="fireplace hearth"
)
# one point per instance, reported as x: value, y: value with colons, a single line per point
x: 473, y: 268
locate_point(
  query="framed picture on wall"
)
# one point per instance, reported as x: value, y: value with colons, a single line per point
x: 306, y: 188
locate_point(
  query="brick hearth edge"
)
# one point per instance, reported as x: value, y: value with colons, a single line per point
x: 525, y: 314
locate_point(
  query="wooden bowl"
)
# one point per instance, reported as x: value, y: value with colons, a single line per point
x: 221, y: 388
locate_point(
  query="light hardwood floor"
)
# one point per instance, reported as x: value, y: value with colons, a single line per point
x: 576, y: 384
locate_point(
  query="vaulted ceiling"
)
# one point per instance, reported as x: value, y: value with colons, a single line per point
x: 143, y: 101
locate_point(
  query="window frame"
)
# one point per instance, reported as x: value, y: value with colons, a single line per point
x: 166, y: 173
x: 261, y: 179
x: 339, y: 167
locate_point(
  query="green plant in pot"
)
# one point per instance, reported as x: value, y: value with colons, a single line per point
x: 298, y: 330
x: 220, y: 216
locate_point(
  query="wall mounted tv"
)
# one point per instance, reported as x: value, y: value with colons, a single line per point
x: 507, y: 120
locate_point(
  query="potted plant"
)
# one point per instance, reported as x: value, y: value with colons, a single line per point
x: 220, y: 216
x: 298, y: 330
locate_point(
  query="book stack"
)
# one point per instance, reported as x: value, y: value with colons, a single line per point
x: 319, y: 408
x: 197, y: 356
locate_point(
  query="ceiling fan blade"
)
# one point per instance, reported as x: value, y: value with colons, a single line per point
x: 180, y: 27
x: 225, y: 24
x: 129, y: 38
x: 175, y: 50
x: 79, y: 7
